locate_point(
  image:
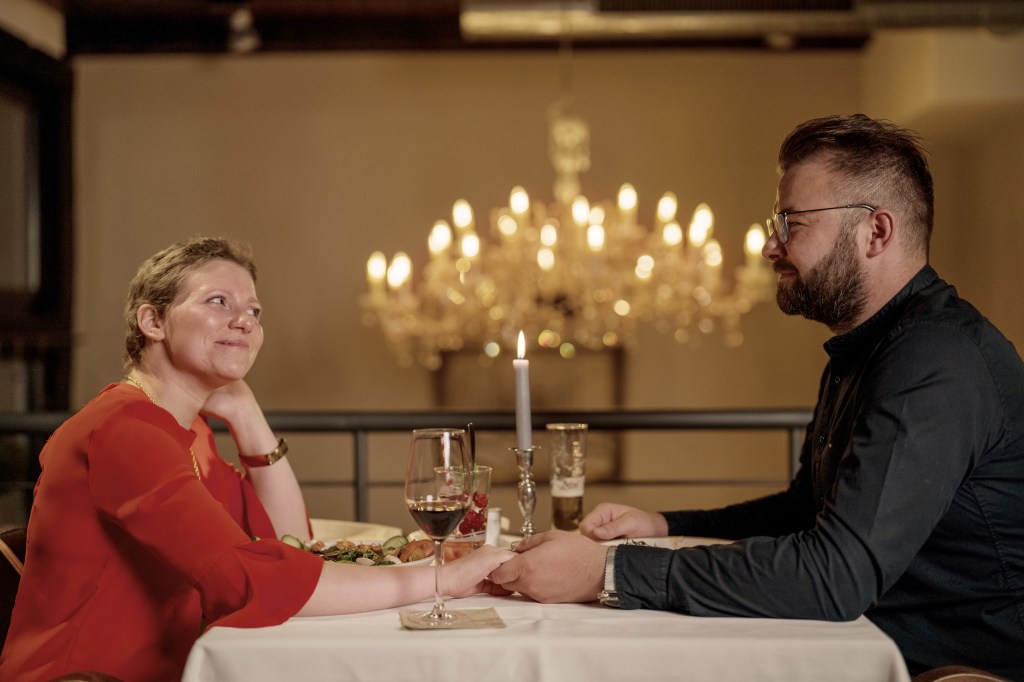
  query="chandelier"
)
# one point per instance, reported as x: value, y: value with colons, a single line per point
x: 573, y: 274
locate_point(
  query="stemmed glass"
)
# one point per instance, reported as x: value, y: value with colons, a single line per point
x: 438, y: 492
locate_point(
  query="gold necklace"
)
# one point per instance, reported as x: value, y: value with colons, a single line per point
x: 134, y: 381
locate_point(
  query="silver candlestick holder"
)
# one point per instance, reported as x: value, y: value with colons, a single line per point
x: 526, y: 491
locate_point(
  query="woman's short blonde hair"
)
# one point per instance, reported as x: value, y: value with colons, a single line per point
x: 160, y: 278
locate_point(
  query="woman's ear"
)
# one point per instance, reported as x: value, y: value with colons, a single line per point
x: 150, y: 323
x: 883, y: 231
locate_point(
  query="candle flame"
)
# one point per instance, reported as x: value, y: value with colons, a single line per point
x: 521, y: 346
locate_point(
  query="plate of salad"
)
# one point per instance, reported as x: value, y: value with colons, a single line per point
x: 397, y: 550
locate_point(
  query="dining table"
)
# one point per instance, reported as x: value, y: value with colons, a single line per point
x: 548, y: 642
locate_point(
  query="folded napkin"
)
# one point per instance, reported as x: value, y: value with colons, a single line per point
x: 474, y: 618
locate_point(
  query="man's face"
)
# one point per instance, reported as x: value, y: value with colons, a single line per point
x: 820, y: 273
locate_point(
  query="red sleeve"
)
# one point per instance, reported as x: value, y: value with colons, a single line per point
x: 141, y: 478
x: 229, y: 486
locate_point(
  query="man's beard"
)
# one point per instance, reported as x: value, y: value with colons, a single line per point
x: 833, y: 291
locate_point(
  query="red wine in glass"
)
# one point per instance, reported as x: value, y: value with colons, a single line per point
x: 438, y: 489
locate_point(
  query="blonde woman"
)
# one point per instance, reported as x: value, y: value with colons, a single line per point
x: 141, y: 536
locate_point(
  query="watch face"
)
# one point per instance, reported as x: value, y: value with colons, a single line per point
x: 277, y: 453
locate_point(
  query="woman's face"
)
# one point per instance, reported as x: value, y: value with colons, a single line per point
x: 212, y: 329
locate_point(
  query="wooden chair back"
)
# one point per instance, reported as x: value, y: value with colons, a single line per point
x: 12, y: 558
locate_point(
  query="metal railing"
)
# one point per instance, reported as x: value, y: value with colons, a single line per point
x: 361, y: 424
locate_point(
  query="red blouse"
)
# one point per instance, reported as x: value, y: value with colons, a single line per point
x: 129, y: 555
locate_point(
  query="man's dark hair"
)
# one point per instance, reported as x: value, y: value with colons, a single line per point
x: 881, y: 164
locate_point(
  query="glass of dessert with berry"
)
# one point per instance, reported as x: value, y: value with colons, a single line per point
x: 472, y: 529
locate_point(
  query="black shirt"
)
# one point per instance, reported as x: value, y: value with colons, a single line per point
x: 908, y: 506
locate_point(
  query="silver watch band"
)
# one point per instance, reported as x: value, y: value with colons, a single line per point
x: 609, y: 595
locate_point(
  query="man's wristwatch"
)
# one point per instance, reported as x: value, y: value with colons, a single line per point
x: 251, y: 461
x: 609, y: 595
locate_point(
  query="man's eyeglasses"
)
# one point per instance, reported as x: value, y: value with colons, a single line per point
x: 777, y: 222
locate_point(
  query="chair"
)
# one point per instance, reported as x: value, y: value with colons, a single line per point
x: 12, y: 556
x: 957, y: 673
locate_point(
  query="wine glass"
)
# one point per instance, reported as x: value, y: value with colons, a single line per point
x: 438, y: 492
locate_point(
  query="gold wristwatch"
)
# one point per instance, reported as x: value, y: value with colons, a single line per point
x: 251, y: 461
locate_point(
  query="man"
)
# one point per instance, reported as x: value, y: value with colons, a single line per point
x: 909, y: 503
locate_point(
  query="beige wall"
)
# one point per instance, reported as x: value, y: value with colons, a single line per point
x: 317, y: 160
x: 963, y: 91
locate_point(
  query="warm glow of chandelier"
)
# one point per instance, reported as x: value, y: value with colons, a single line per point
x: 573, y: 273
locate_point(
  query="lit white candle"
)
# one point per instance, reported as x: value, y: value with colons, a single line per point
x: 523, y: 420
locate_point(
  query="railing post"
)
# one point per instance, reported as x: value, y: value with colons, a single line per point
x: 360, y: 466
x: 796, y: 442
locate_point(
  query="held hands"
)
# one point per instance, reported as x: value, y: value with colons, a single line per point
x: 554, y: 567
x: 469, y: 575
x: 609, y: 521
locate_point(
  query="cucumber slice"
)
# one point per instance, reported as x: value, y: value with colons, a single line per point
x: 392, y: 545
x: 293, y: 541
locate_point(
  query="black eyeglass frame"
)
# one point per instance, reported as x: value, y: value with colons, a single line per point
x: 778, y: 222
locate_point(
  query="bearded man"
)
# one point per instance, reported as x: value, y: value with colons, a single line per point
x: 908, y: 506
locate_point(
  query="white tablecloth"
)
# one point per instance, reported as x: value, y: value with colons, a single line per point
x: 546, y: 642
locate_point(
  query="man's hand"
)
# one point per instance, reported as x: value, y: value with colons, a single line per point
x: 554, y: 567
x: 609, y: 521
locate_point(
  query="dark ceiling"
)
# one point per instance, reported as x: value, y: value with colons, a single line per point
x: 170, y: 26
x: 120, y: 26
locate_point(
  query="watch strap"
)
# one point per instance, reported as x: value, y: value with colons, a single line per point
x: 255, y: 461
x: 609, y: 595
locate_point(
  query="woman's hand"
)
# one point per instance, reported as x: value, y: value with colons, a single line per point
x: 469, y: 575
x: 236, y: 405
x: 275, y: 485
x: 608, y: 521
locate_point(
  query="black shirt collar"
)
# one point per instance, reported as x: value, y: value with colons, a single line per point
x: 868, y: 332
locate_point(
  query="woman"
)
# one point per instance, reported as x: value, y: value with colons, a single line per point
x: 140, y: 535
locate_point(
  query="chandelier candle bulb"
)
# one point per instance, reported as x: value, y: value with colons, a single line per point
x: 627, y: 205
x: 667, y: 206
x: 400, y: 270
x: 519, y: 201
x: 462, y: 215
x: 753, y: 245
x: 376, y: 271
x: 521, y: 366
x: 440, y: 239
